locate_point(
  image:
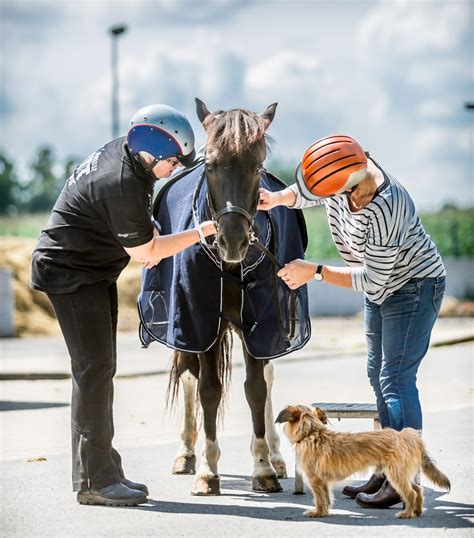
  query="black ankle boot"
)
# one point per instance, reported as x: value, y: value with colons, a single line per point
x: 134, y: 485
x: 386, y: 497
x: 114, y: 495
x: 372, y: 486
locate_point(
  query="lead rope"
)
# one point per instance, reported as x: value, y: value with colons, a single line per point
x: 277, y: 266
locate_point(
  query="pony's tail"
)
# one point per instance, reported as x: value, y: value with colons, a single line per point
x: 172, y: 390
x: 224, y: 370
x: 433, y: 473
x: 224, y: 373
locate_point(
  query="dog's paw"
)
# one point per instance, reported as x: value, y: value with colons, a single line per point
x: 405, y: 514
x: 315, y: 513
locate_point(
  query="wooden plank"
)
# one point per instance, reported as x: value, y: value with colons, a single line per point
x: 348, y: 410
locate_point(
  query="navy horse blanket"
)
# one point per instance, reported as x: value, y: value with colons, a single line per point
x: 181, y: 299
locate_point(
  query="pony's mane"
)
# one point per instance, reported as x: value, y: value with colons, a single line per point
x: 235, y: 131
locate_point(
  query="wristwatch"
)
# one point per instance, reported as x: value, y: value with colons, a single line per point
x: 318, y: 274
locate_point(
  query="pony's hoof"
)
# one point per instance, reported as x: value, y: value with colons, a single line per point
x: 184, y: 465
x: 268, y: 484
x: 280, y: 468
x: 207, y: 486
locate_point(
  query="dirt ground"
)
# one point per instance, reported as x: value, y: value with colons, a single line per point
x: 34, y: 314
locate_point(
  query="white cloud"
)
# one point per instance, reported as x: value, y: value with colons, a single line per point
x: 436, y: 110
x: 407, y: 29
x: 286, y: 70
x: 393, y: 74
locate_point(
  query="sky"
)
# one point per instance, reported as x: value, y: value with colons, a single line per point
x: 393, y: 74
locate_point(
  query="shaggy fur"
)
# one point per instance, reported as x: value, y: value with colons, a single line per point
x: 325, y: 456
x: 235, y: 131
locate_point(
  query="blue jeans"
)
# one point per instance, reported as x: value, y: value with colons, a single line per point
x: 398, y: 335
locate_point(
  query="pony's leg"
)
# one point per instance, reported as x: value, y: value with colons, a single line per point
x: 188, y: 372
x: 264, y: 477
x: 207, y: 481
x: 273, y: 439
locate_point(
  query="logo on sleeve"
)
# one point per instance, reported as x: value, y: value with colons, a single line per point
x: 128, y: 236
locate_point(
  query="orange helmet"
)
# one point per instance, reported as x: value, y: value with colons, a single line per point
x: 330, y: 166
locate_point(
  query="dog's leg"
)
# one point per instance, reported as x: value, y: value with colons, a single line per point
x: 271, y: 433
x: 419, y: 499
x: 322, y: 499
x: 404, y: 486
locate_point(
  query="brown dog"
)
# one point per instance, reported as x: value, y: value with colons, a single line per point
x: 325, y: 456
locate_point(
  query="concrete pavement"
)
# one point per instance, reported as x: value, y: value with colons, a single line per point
x: 47, y: 357
x: 36, y: 498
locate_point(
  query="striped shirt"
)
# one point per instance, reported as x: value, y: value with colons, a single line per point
x: 385, y: 242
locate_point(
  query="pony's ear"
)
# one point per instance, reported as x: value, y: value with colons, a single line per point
x: 269, y: 114
x: 201, y: 110
x: 289, y: 414
x: 320, y: 414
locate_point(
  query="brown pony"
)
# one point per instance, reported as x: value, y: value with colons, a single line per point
x: 235, y: 151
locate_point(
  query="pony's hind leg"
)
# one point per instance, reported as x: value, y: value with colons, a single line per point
x: 272, y: 436
x: 264, y: 477
x: 207, y: 481
x: 187, y: 365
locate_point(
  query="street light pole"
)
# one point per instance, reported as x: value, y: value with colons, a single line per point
x: 115, y: 32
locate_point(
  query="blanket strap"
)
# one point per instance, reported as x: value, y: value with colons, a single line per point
x: 246, y: 329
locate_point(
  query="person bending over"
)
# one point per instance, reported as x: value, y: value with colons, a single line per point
x: 390, y: 258
x: 101, y: 219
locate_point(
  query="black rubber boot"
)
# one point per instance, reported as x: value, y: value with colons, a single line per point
x: 372, y: 486
x: 114, y: 495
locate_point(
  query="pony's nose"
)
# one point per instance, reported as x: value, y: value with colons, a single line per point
x: 232, y: 249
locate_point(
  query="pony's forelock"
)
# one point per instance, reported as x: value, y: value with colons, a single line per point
x: 235, y: 131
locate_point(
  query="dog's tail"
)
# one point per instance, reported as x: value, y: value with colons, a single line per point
x: 433, y: 473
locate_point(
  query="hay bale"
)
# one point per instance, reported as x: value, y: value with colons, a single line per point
x: 129, y: 284
x: 35, y: 315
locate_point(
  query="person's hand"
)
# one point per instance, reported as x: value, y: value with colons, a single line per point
x: 267, y: 199
x: 208, y: 228
x: 297, y: 273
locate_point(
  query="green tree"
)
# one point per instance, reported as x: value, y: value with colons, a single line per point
x: 44, y: 186
x: 8, y: 187
x: 282, y: 171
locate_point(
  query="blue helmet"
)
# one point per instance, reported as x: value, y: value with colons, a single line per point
x: 163, y: 132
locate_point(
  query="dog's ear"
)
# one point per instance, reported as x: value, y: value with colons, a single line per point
x: 289, y: 414
x: 320, y: 414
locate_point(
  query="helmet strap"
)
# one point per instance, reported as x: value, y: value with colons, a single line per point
x: 148, y: 168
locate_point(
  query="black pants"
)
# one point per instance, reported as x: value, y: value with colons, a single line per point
x: 88, y: 321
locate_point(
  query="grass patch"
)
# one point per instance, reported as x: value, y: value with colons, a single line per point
x: 26, y: 225
x: 451, y: 229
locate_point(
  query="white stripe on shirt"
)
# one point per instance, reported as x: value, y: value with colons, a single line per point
x: 385, y: 243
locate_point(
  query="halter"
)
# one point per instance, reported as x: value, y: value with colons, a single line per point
x: 216, y: 215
